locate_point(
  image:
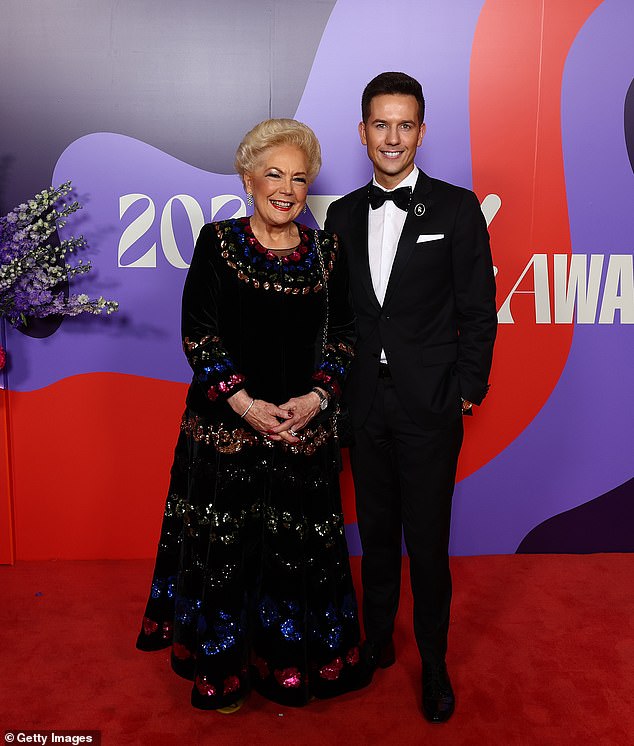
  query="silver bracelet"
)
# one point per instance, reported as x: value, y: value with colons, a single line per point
x: 246, y: 411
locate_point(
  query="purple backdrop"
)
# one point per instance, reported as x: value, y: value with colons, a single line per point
x: 145, y: 206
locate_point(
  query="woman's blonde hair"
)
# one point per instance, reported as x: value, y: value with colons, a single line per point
x: 274, y: 132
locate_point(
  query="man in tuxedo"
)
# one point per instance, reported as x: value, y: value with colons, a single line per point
x: 422, y: 286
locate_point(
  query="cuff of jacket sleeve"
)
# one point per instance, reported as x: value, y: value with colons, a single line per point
x: 228, y: 387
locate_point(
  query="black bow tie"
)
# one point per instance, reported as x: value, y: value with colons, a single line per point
x: 401, y: 197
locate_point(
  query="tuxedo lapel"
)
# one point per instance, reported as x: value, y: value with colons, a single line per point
x: 359, y: 229
x: 411, y: 229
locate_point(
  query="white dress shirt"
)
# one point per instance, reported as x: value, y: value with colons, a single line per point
x: 385, y: 226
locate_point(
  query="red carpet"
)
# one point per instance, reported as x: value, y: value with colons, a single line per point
x: 541, y: 652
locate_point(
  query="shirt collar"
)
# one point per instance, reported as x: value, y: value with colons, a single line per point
x: 409, y: 181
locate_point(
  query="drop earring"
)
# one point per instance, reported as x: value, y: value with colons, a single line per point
x: 249, y: 199
x: 304, y: 210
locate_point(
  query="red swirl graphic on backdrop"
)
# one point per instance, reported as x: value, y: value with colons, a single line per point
x: 517, y: 64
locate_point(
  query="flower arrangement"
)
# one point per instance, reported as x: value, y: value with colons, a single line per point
x: 32, y: 267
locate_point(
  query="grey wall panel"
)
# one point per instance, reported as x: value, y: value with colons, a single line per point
x: 188, y: 77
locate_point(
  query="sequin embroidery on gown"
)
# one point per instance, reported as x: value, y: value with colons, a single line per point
x: 252, y: 584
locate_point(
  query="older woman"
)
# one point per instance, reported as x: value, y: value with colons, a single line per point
x: 252, y: 584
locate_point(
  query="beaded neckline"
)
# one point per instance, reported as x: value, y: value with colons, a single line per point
x: 294, y: 273
x: 299, y: 252
x: 294, y: 254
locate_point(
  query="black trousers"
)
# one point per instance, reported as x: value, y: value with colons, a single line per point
x: 404, y: 478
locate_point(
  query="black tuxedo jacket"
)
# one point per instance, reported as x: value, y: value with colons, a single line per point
x: 438, y: 320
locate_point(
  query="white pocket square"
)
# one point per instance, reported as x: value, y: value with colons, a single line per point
x: 424, y: 237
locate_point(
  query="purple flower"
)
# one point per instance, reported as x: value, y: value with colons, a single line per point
x: 31, y: 269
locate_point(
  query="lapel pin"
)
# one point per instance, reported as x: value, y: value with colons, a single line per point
x: 419, y: 210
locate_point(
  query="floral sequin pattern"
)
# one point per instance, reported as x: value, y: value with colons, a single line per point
x: 334, y: 367
x: 261, y: 666
x: 212, y: 366
x: 204, y: 686
x: 235, y: 440
x: 181, y: 651
x: 214, y: 692
x: 331, y: 671
x: 324, y: 531
x: 283, y: 619
x: 187, y: 609
x: 289, y: 678
x: 163, y: 587
x: 231, y: 684
x: 150, y: 627
x: 298, y: 273
x: 225, y: 632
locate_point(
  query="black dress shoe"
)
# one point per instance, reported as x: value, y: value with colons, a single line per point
x: 438, y: 697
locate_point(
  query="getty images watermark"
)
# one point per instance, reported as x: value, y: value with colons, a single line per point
x: 93, y: 737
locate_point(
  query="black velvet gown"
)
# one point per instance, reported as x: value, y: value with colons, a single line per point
x: 252, y: 584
